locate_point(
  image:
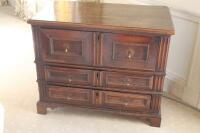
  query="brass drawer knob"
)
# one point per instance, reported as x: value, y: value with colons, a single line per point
x: 126, y: 104
x: 127, y: 81
x: 69, y: 98
x: 70, y: 80
x: 128, y: 84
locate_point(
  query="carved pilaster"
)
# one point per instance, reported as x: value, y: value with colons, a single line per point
x: 156, y: 102
x: 160, y: 67
x: 163, y: 54
x: 39, y: 65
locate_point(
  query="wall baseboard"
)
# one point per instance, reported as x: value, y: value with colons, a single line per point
x: 166, y: 95
x: 176, y: 88
x: 174, y: 85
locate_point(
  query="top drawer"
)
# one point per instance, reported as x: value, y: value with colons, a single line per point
x: 128, y: 51
x: 65, y: 46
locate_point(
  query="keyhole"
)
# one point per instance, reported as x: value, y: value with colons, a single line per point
x: 66, y: 48
x: 130, y: 54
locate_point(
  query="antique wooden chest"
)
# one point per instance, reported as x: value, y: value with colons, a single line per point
x: 109, y: 57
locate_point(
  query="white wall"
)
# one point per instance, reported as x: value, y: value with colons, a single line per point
x: 191, y: 93
x: 180, y: 55
x: 181, y: 49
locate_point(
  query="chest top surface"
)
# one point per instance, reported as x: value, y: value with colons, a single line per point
x: 154, y: 19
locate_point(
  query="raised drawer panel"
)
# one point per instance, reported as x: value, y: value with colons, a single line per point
x: 127, y: 81
x: 124, y: 101
x: 69, y: 76
x: 71, y: 95
x: 65, y: 46
x: 128, y: 51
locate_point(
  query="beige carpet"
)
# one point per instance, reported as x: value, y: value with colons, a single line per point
x: 18, y: 94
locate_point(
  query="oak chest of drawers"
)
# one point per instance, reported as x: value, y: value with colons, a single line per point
x: 107, y: 57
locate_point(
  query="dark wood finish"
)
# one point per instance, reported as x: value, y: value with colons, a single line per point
x: 66, y: 46
x: 123, y: 101
x: 155, y: 121
x: 127, y: 81
x: 107, y: 16
x: 128, y: 51
x: 41, y: 108
x: 70, y: 76
x: 108, y: 57
x: 69, y: 95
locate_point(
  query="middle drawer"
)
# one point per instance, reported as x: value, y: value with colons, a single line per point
x: 70, y: 76
x: 121, y: 81
x: 127, y: 81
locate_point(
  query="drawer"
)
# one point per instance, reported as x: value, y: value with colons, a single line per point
x: 128, y: 51
x: 127, y: 81
x: 65, y: 46
x: 69, y: 95
x: 69, y: 76
x: 124, y: 101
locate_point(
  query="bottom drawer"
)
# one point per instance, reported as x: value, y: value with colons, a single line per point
x: 96, y: 98
x: 124, y: 101
x: 69, y: 95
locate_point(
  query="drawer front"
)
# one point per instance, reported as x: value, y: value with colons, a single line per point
x: 69, y: 76
x: 124, y: 101
x: 69, y: 95
x: 65, y: 46
x: 127, y: 81
x: 128, y: 51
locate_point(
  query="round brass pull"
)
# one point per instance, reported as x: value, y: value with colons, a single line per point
x: 69, y: 98
x: 126, y: 104
x: 127, y: 81
x: 70, y: 80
